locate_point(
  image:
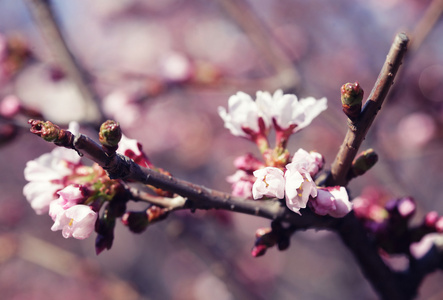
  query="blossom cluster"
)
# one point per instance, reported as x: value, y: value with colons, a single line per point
x: 280, y: 176
x: 73, y: 193
x: 56, y: 185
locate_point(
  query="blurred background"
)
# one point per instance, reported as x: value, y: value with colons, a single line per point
x: 161, y: 69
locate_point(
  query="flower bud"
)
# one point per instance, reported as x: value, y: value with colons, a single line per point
x: 363, y: 162
x: 351, y: 99
x: 259, y: 250
x: 137, y: 221
x: 110, y: 133
x: 47, y: 130
x: 105, y: 234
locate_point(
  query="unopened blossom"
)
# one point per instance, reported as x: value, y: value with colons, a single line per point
x: 333, y: 201
x: 242, y: 183
x: 248, y: 162
x: 243, y: 117
x: 270, y: 183
x: 77, y: 221
x: 288, y: 112
x: 299, y: 186
x: 313, y: 161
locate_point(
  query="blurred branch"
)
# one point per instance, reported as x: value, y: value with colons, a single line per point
x: 286, y: 75
x: 427, y: 22
x: 358, y: 129
x: 44, y: 17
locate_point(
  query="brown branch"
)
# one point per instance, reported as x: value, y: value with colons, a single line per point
x: 198, y: 197
x: 357, y: 130
x: 44, y: 16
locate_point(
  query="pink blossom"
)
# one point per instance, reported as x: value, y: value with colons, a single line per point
x: 299, y: 186
x: 68, y: 197
x: 46, y: 175
x: 248, y: 162
x: 333, y: 201
x: 133, y: 149
x: 313, y: 161
x: 242, y: 183
x: 244, y: 116
x: 77, y: 221
x: 287, y: 111
x: 270, y: 183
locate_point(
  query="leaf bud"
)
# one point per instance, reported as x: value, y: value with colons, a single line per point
x: 110, y: 133
x: 351, y: 99
x: 363, y: 162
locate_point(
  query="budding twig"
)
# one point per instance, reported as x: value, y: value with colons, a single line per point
x: 358, y: 129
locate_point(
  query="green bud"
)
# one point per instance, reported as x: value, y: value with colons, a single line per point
x: 47, y: 130
x: 363, y: 162
x: 110, y: 133
x: 351, y: 99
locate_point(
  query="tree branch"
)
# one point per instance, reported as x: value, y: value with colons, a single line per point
x: 357, y: 130
x: 44, y: 16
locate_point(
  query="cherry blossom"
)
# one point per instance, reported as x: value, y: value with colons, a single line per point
x: 299, y: 186
x: 313, y: 161
x: 68, y: 197
x: 77, y: 221
x: 286, y: 111
x: 333, y: 201
x: 302, y: 112
x: 133, y: 149
x: 46, y: 175
x: 270, y: 183
x: 244, y: 117
x: 242, y: 183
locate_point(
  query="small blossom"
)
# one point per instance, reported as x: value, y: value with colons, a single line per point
x: 77, y: 221
x: 244, y: 117
x: 133, y: 149
x: 299, y: 186
x: 287, y: 111
x: 313, y: 161
x: 46, y: 175
x: 333, y: 201
x: 270, y: 183
x: 242, y: 183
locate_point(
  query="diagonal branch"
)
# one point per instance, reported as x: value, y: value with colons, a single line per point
x: 42, y: 12
x: 357, y: 130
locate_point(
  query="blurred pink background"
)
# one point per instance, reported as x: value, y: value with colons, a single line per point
x: 162, y: 68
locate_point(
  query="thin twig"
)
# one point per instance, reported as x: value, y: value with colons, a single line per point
x: 44, y: 16
x: 357, y: 130
x: 426, y: 24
